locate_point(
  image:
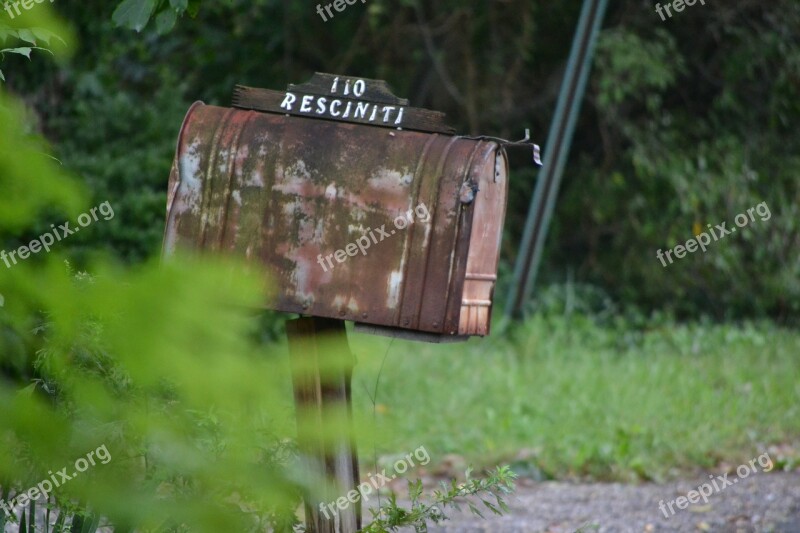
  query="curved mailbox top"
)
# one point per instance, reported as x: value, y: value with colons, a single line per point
x: 394, y: 229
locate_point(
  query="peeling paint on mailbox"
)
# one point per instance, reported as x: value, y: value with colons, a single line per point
x: 282, y: 190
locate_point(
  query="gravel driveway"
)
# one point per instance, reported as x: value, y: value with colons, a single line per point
x: 762, y: 503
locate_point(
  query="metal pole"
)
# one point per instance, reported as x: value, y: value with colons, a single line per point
x: 559, y: 140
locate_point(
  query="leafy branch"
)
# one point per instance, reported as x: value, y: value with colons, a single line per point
x: 390, y: 517
x: 135, y: 14
x: 30, y: 36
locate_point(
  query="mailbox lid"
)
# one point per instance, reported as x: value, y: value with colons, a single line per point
x: 288, y: 192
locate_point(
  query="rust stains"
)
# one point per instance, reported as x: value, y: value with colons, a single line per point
x: 288, y: 191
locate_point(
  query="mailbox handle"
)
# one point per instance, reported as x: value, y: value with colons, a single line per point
x: 537, y: 151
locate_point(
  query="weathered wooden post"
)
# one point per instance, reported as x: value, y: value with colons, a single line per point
x: 322, y: 370
x: 360, y: 208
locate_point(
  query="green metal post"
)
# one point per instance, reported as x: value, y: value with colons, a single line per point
x: 559, y: 140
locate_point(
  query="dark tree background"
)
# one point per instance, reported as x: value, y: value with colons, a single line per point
x: 687, y: 122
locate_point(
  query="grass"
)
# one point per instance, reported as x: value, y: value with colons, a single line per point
x: 581, y: 400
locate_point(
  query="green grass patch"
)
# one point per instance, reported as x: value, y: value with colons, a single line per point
x: 579, y: 399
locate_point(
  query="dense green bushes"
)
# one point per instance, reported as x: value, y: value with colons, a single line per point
x: 696, y: 129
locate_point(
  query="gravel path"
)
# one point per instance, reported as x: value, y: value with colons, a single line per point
x: 760, y: 503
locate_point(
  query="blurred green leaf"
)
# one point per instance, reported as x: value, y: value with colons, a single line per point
x: 134, y: 14
x: 24, y: 51
x: 165, y: 21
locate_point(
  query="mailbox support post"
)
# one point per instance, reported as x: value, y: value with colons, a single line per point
x: 322, y: 371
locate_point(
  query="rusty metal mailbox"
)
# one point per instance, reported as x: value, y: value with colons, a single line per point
x: 358, y: 206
